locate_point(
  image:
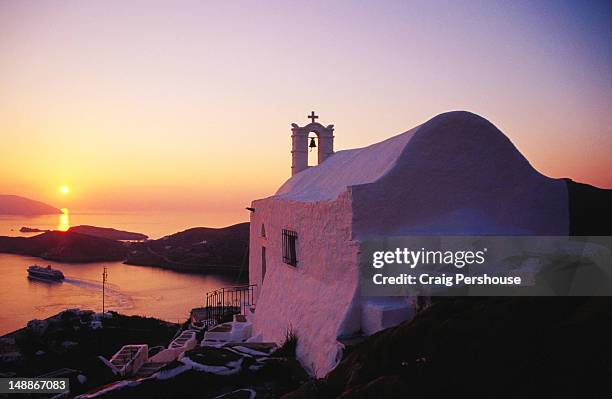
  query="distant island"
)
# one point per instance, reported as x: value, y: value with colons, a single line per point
x: 25, y: 229
x: 110, y: 233
x: 102, y: 232
x: 16, y: 205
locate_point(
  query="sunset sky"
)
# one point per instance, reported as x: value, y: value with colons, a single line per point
x: 188, y: 105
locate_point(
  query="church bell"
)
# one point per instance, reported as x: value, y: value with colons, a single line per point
x: 312, y: 144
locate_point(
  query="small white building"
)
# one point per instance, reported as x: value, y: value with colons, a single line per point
x: 455, y: 174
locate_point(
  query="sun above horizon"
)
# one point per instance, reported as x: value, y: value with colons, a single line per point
x: 64, y: 190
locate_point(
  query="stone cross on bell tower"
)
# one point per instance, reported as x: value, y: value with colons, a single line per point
x: 312, y: 117
x: 299, y: 138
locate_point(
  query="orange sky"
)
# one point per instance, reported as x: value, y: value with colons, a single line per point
x: 159, y: 106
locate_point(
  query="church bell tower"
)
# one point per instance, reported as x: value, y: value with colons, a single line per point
x: 300, y: 144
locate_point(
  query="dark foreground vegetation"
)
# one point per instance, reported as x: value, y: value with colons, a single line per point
x: 71, y: 340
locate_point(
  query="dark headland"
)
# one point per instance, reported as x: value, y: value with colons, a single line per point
x: 65, y: 247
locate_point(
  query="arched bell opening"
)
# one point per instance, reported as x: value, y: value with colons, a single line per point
x: 314, y: 149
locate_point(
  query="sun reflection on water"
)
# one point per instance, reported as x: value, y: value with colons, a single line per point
x: 64, y: 220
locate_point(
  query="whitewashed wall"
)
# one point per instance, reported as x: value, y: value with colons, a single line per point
x: 315, y: 298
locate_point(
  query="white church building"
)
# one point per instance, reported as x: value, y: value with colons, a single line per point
x: 454, y: 174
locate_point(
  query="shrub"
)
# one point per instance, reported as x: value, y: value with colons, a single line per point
x: 288, y: 348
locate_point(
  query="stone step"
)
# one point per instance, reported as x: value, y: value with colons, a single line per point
x: 149, y: 368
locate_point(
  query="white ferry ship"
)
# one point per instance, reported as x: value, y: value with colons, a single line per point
x: 45, y: 273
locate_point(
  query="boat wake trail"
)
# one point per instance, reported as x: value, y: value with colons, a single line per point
x: 116, y: 299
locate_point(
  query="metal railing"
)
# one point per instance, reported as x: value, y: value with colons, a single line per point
x: 225, y: 302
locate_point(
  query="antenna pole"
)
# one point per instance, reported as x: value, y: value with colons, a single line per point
x: 104, y: 277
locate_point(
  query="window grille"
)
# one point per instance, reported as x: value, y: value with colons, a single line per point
x: 289, y: 252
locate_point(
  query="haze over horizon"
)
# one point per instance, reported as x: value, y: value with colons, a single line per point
x: 187, y: 105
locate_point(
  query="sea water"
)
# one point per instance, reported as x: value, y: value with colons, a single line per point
x: 132, y: 290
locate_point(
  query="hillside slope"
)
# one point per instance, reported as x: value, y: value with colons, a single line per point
x: 200, y: 249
